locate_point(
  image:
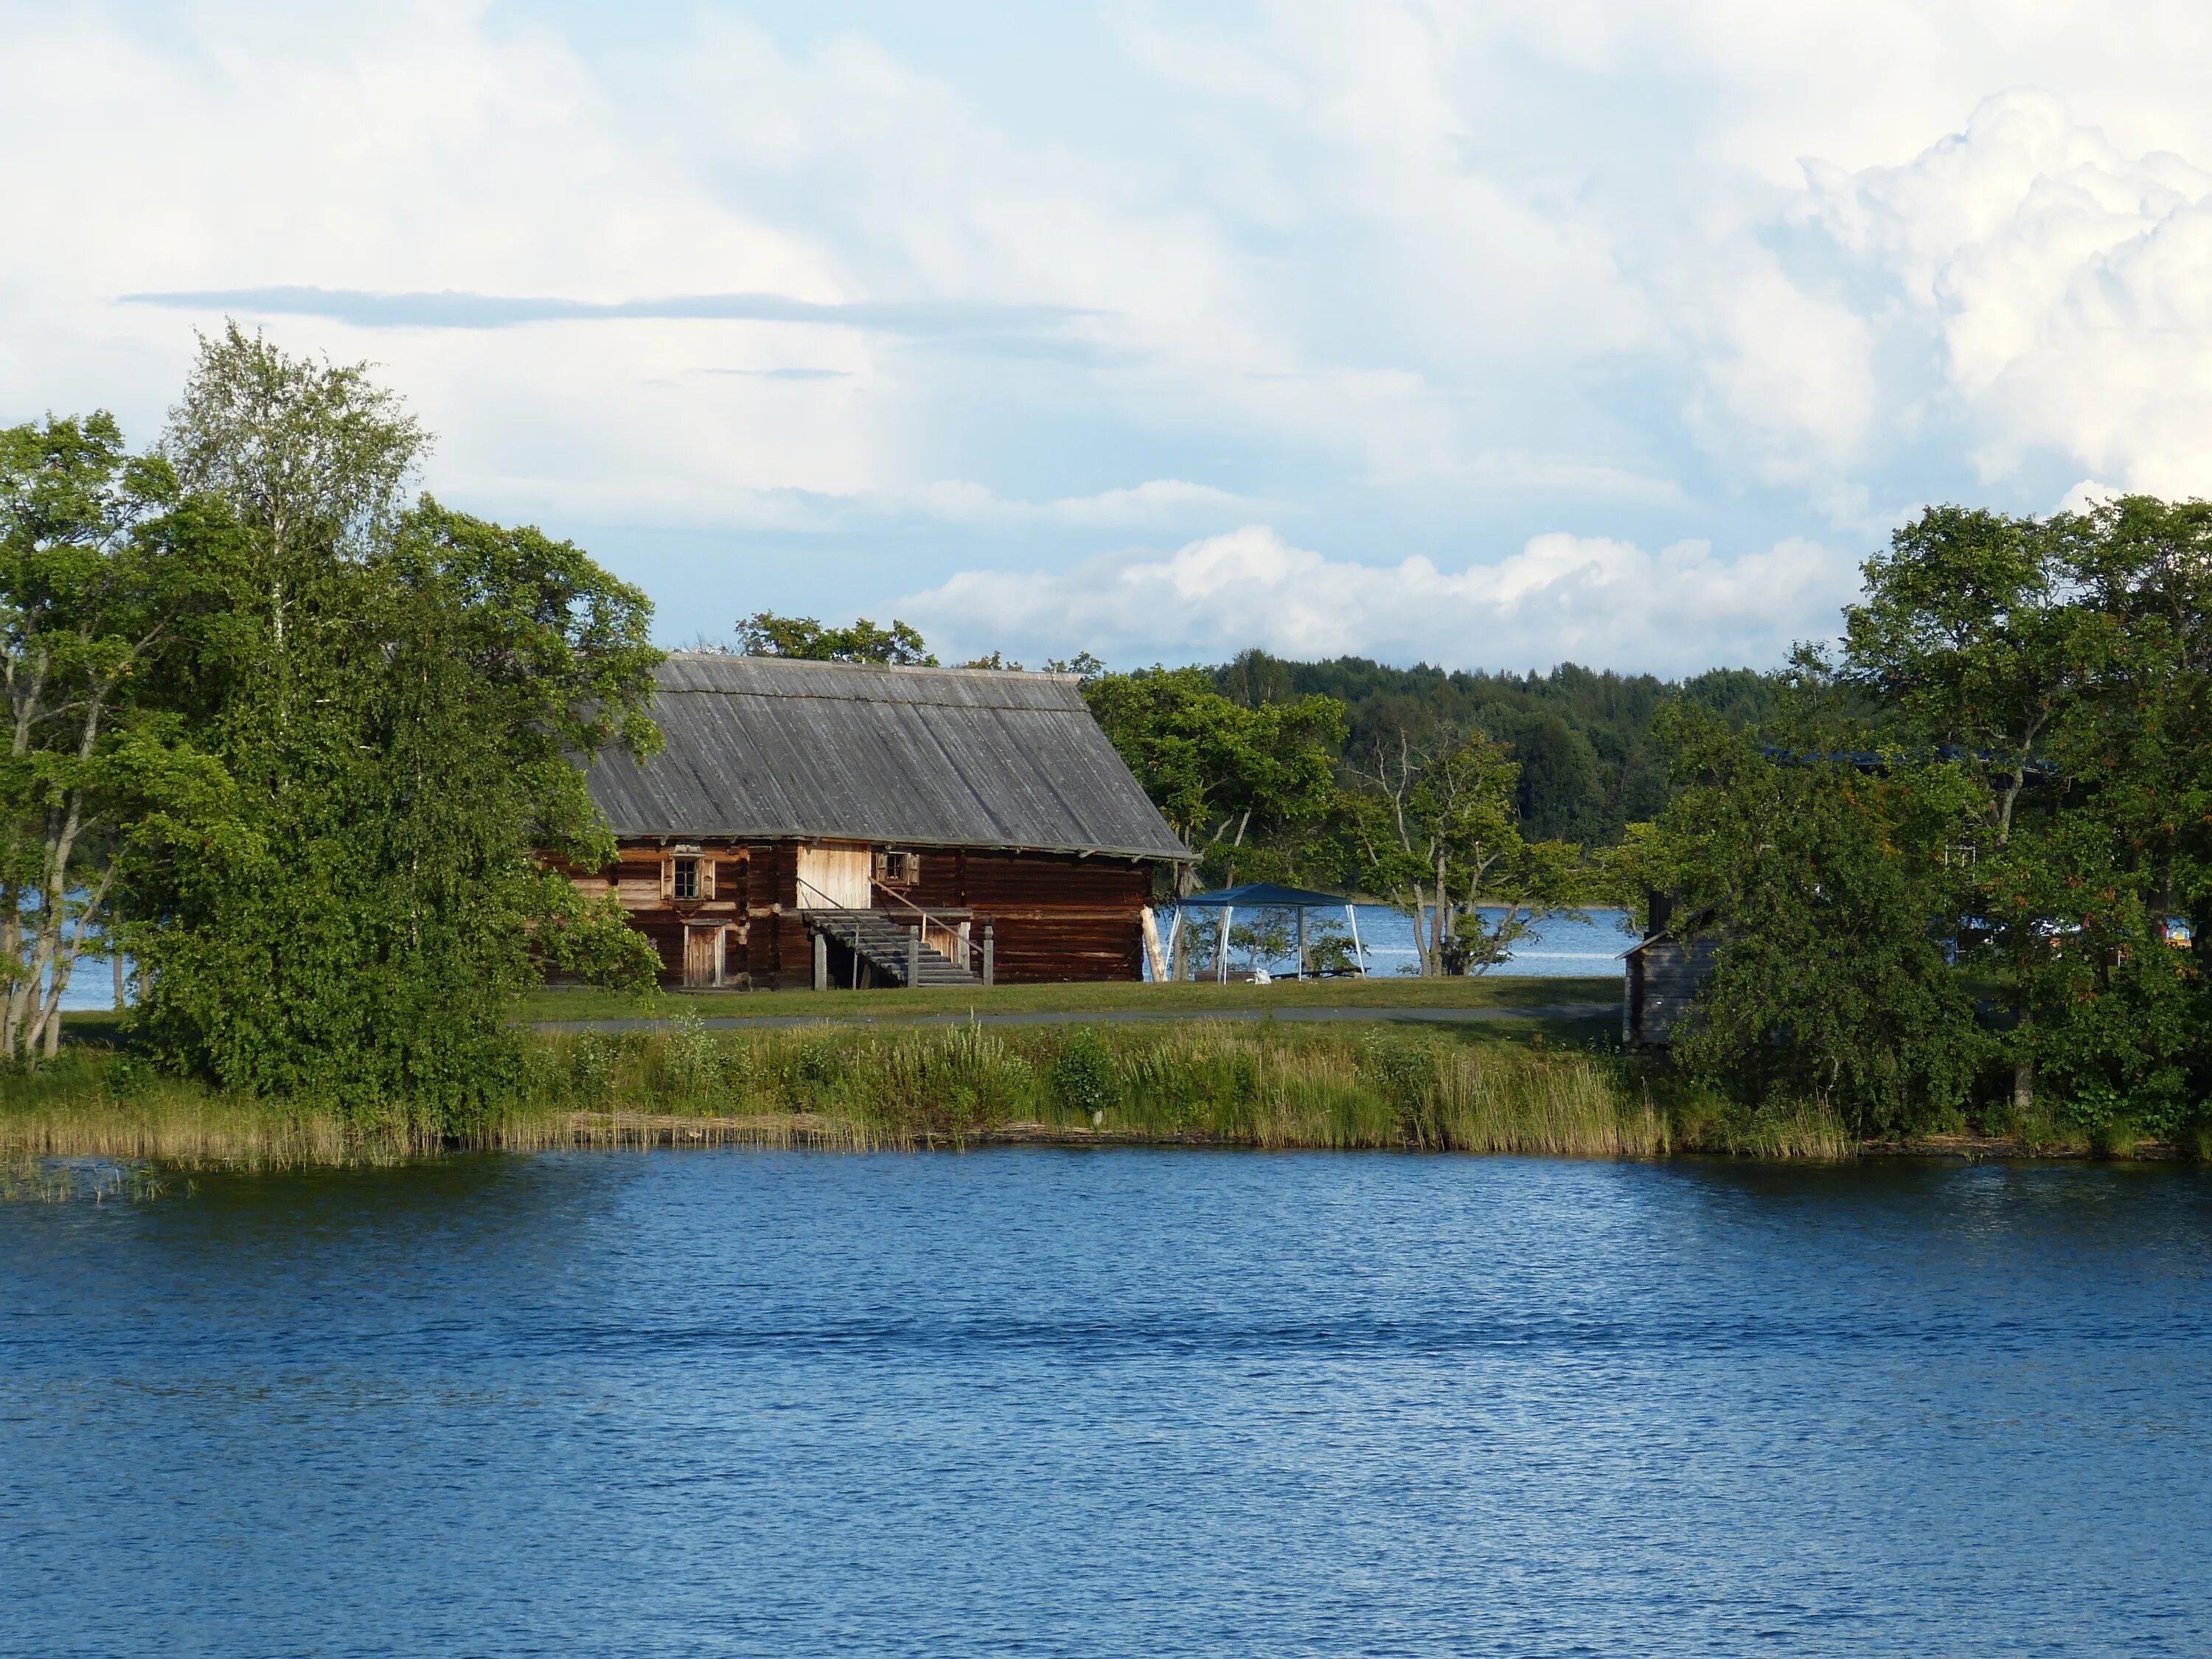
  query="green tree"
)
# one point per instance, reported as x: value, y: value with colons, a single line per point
x: 1971, y: 637
x: 1431, y: 826
x: 1828, y: 890
x: 1244, y: 787
x: 765, y: 633
x: 95, y: 558
x: 401, y: 696
x: 2005, y: 765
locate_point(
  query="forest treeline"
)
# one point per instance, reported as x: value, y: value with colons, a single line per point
x: 1589, y: 760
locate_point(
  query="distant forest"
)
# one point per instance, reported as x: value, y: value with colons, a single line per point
x: 1589, y: 763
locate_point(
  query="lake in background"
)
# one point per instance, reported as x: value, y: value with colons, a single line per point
x: 1560, y: 947
x: 1127, y: 1403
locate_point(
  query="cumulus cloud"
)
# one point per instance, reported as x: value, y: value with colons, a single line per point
x: 1560, y: 597
x: 2030, y: 286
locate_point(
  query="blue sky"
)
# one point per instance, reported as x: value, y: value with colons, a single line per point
x: 1486, y: 334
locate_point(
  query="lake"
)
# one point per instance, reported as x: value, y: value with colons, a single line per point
x: 1586, y: 946
x: 1036, y: 1401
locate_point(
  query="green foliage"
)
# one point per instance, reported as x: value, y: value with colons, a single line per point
x: 1590, y: 761
x: 1824, y: 890
x: 765, y: 633
x: 98, y: 555
x: 1083, y: 1078
x: 1244, y: 787
x: 1998, y: 795
x: 398, y: 695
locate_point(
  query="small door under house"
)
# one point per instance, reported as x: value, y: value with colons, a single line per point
x: 702, y: 955
x: 834, y: 877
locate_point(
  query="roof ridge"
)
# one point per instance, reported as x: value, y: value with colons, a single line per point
x: 779, y: 663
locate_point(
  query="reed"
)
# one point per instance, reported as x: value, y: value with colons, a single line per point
x: 91, y: 1103
x: 1703, y: 1120
x: 858, y: 1088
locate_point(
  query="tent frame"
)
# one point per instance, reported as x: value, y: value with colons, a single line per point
x: 1263, y: 895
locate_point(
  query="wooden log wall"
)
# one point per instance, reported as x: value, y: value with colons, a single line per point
x: 1056, y: 916
x: 1663, y: 978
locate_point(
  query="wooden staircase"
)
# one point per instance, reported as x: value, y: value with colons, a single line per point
x: 889, y: 946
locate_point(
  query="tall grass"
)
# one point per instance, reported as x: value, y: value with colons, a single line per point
x: 1201, y: 1083
x: 92, y: 1104
x: 1314, y: 1086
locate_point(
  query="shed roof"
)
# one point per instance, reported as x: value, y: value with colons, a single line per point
x: 762, y: 747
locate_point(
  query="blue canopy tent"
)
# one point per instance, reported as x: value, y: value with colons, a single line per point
x: 1265, y: 896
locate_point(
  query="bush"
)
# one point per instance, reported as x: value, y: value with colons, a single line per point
x: 1083, y: 1077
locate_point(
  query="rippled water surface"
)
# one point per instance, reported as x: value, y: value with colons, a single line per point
x: 1037, y: 1402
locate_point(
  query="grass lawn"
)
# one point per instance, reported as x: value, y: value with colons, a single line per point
x: 1196, y: 1000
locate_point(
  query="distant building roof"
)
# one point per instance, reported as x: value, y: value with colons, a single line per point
x: 766, y: 748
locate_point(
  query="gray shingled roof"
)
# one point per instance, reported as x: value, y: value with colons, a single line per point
x: 764, y: 748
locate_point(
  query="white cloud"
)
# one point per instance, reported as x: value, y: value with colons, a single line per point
x: 2045, y: 288
x: 1560, y: 597
x: 1392, y: 272
x: 2085, y: 497
x: 1157, y: 502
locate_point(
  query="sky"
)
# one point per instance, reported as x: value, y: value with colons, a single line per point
x: 1489, y: 335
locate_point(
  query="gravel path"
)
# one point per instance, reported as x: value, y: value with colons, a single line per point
x: 1120, y: 1016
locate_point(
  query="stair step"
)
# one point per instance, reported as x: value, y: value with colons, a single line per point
x: 882, y: 941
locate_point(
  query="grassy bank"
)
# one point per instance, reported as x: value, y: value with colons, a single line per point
x: 858, y: 1087
x: 1244, y: 1085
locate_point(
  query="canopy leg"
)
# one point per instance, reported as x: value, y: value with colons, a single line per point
x: 1358, y: 952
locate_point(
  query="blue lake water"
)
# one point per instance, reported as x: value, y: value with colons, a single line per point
x: 1560, y: 946
x: 1047, y: 1402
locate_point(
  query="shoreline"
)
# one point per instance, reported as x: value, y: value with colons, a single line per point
x: 647, y: 1131
x: 1464, y: 1079
x: 121, y: 1139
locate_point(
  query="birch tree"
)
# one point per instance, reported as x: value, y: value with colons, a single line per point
x: 1430, y: 827
x: 87, y: 585
x: 403, y: 697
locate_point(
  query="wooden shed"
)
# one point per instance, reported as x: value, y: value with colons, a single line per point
x: 827, y: 824
x: 1664, y: 970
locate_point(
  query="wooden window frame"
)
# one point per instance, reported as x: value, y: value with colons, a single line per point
x: 702, y: 876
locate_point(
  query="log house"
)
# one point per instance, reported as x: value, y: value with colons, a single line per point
x: 836, y: 824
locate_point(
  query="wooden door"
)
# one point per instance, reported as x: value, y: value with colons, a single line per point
x: 702, y: 955
x: 836, y: 878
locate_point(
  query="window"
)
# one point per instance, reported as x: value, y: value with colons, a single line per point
x: 686, y: 884
x: 898, y: 869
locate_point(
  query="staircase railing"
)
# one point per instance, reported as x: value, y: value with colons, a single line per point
x: 949, y: 942
x: 953, y: 944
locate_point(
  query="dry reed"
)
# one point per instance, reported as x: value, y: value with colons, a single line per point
x: 857, y: 1088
